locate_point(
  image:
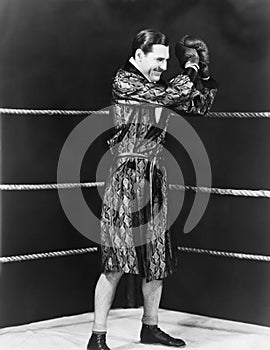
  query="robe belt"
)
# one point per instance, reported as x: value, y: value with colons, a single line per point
x: 152, y: 160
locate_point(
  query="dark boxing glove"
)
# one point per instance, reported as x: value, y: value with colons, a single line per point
x: 188, y: 59
x: 203, y: 53
x: 186, y: 54
x: 199, y: 45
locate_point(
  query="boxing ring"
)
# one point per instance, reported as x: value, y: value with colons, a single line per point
x: 71, y: 332
x: 200, y: 332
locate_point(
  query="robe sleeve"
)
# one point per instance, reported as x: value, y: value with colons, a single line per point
x: 180, y: 94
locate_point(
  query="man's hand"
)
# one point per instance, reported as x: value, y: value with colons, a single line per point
x: 204, y: 71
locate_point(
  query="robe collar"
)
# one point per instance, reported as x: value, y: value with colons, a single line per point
x: 130, y: 67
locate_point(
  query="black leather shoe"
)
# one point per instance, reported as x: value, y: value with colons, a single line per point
x: 97, y: 342
x: 154, y: 335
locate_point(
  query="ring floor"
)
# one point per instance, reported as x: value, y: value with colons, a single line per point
x: 199, y: 332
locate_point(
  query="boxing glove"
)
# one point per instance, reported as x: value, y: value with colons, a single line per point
x: 203, y: 53
x: 186, y: 54
x: 199, y: 45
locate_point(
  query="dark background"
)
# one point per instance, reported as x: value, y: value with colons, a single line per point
x: 62, y: 54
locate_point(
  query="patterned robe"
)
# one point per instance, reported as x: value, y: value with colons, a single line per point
x: 134, y: 234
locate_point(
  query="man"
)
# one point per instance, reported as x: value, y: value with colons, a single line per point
x: 134, y: 236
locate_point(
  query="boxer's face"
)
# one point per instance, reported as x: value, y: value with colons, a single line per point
x: 154, y: 63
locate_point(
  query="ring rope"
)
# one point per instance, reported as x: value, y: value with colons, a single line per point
x: 212, y: 190
x: 226, y: 254
x: 23, y: 187
x: 19, y: 111
x: 55, y: 254
x: 36, y: 256
x: 238, y: 115
x: 223, y: 191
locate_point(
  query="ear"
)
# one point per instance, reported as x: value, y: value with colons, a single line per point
x: 139, y: 54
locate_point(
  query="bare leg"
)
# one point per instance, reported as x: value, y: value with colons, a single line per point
x: 104, y: 294
x: 151, y: 295
x: 150, y: 332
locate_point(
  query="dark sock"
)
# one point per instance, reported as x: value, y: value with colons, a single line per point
x: 99, y: 332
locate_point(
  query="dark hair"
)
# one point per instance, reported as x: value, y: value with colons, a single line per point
x: 146, y: 38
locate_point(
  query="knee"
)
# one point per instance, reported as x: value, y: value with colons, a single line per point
x: 113, y: 276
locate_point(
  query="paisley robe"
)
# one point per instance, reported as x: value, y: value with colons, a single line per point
x: 134, y: 234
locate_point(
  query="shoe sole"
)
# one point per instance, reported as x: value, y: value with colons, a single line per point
x: 169, y: 346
